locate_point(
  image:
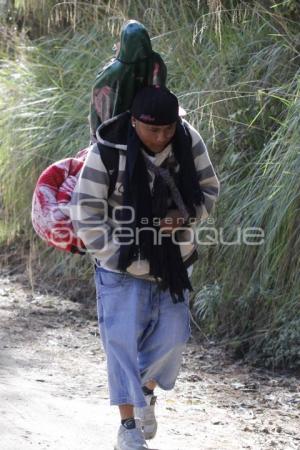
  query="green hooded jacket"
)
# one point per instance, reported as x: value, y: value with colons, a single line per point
x: 136, y: 66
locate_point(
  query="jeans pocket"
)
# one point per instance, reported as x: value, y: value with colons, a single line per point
x: 110, y: 279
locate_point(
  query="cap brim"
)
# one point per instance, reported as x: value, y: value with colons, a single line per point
x: 181, y: 111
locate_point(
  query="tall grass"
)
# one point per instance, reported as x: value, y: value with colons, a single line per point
x: 235, y: 68
x: 253, y: 294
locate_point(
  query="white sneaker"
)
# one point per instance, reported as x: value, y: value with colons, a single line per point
x: 146, y: 416
x: 130, y: 439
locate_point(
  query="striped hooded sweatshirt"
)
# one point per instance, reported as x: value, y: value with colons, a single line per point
x: 93, y: 214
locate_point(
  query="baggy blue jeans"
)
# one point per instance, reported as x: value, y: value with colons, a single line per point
x: 143, y: 334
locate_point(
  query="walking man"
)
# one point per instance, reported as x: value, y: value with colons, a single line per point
x: 136, y: 219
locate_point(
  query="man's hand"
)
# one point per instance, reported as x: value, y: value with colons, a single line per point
x: 172, y: 221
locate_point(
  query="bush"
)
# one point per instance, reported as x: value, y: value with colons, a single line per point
x: 235, y: 68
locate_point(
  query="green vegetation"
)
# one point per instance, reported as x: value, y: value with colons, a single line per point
x: 235, y: 67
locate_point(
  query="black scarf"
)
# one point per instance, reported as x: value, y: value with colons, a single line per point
x: 165, y: 260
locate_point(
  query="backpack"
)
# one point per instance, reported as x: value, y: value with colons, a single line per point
x: 52, y: 197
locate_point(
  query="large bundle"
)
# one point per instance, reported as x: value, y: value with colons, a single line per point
x: 135, y: 66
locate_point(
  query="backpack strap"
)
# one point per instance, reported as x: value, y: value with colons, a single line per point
x: 110, y: 159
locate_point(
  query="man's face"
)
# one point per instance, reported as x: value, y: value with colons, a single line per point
x: 154, y: 137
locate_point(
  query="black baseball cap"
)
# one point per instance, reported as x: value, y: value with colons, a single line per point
x: 155, y: 105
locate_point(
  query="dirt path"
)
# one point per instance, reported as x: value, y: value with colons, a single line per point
x: 53, y: 388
